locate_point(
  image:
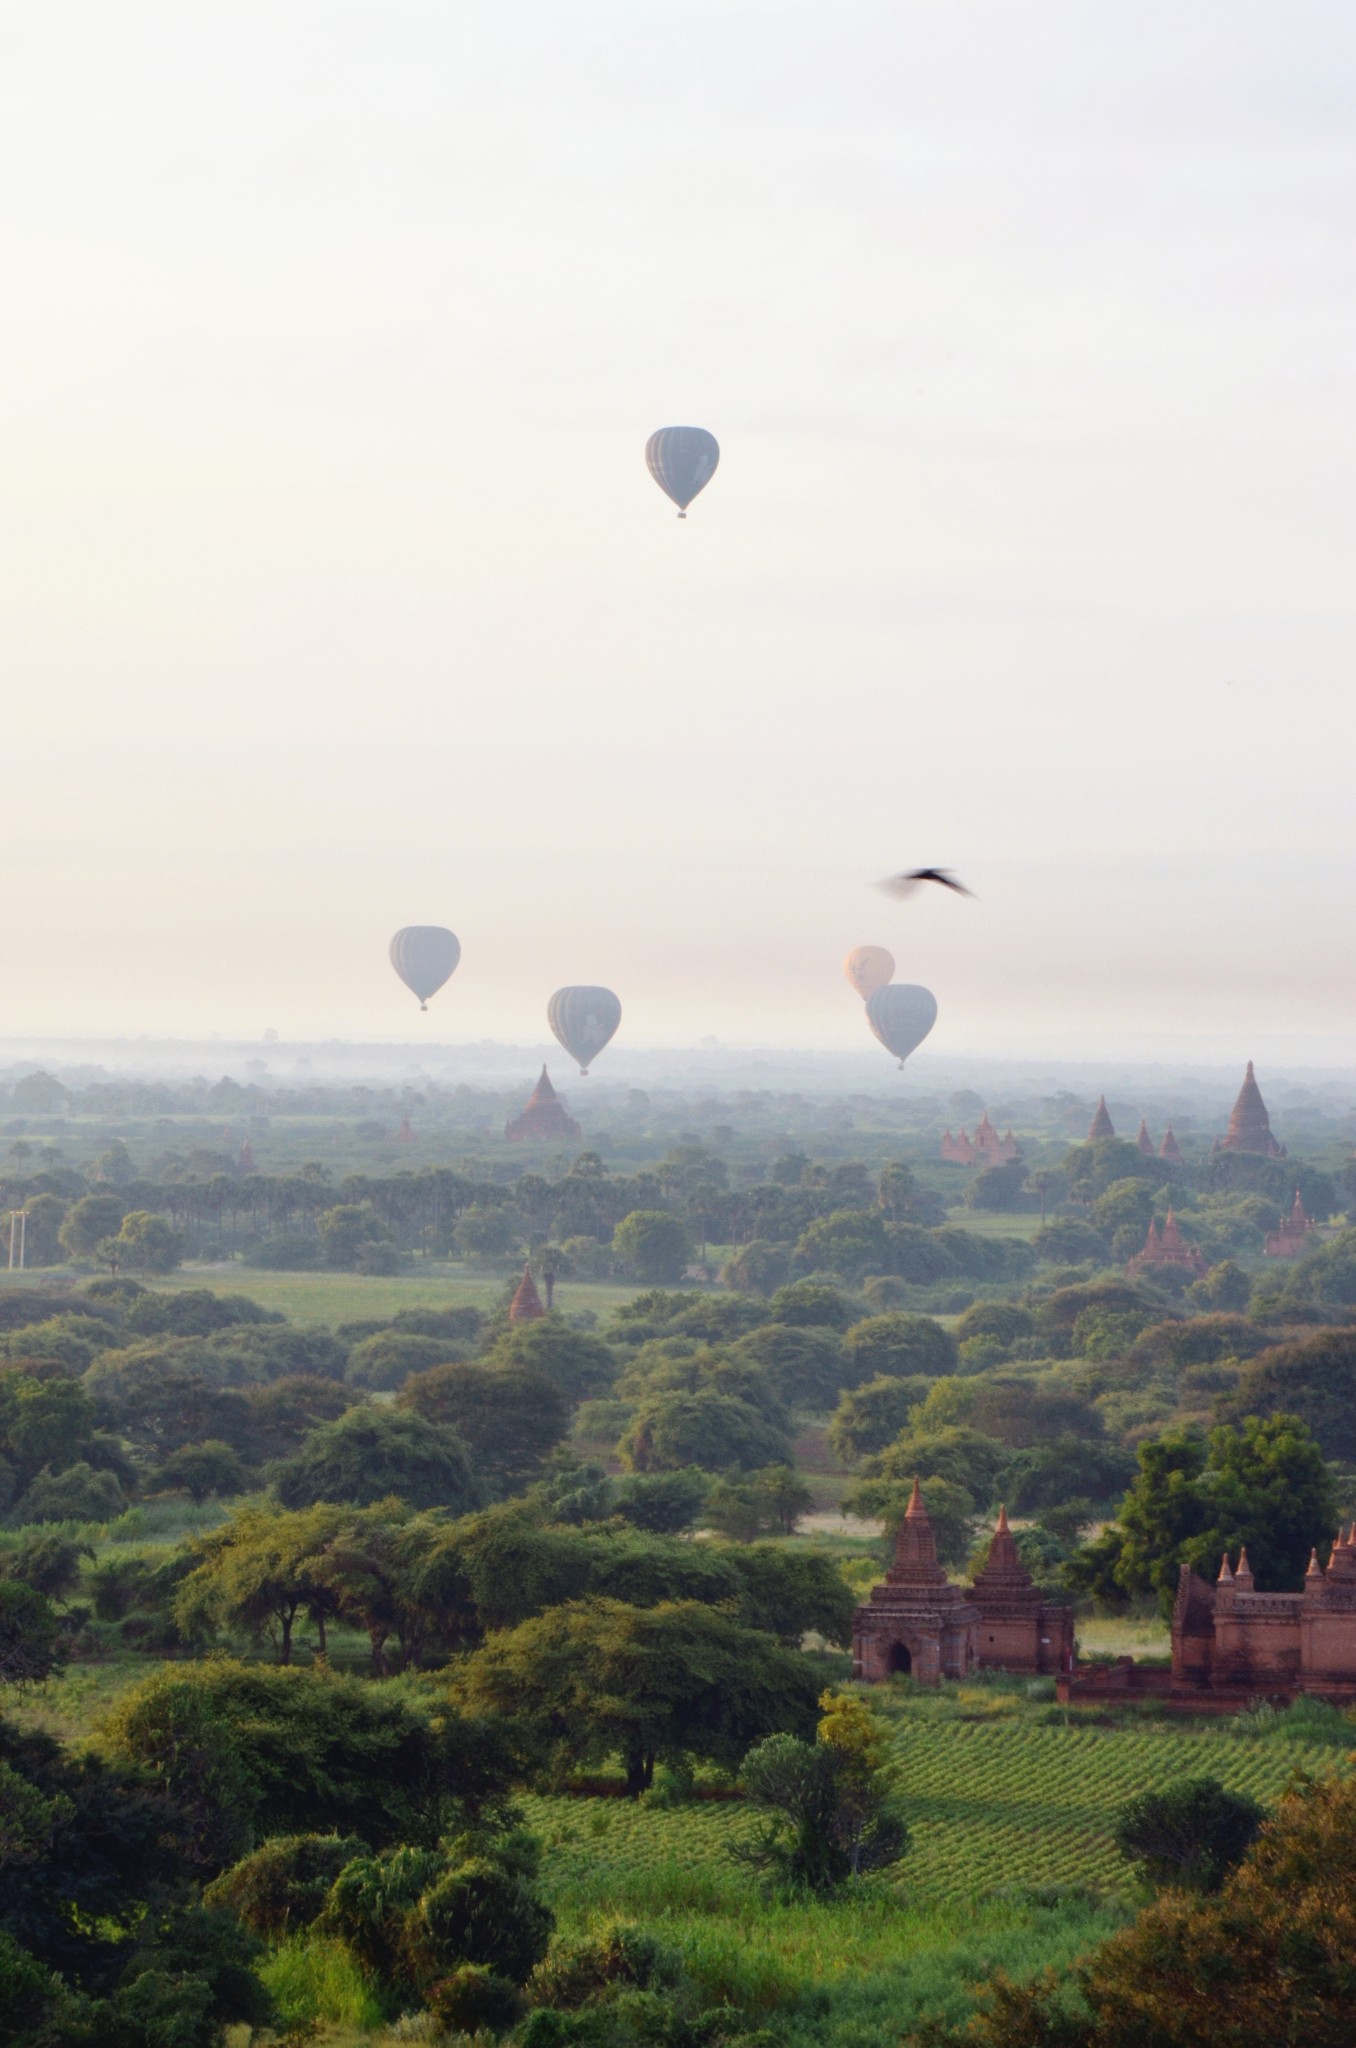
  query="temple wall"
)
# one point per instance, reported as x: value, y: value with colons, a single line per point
x: 1257, y: 1639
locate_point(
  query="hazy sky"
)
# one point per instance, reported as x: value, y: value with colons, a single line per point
x: 334, y: 594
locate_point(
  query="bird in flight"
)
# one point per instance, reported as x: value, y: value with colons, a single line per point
x: 905, y: 884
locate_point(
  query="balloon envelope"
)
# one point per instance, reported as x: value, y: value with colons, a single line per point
x: 868, y: 968
x: 425, y: 956
x: 901, y: 1017
x: 682, y: 461
x: 583, y: 1019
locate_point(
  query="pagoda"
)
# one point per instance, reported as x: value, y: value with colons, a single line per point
x: 986, y: 1148
x: 543, y: 1118
x: 1167, y: 1248
x: 1018, y: 1629
x: 1143, y: 1140
x: 1286, y: 1241
x: 1170, y: 1149
x: 918, y: 1623
x: 1101, y: 1125
x: 526, y: 1305
x: 1249, y: 1125
x: 245, y: 1163
x: 404, y: 1136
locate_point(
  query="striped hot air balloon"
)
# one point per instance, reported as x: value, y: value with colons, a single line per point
x: 425, y: 956
x: 584, y: 1020
x: 682, y: 461
x: 901, y: 1017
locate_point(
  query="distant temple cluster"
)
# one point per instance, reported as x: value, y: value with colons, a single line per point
x: 986, y: 1148
x: 1102, y: 1127
x: 917, y: 1622
x: 544, y: 1117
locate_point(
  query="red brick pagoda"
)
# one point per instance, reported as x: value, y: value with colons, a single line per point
x: 986, y: 1148
x: 544, y: 1117
x: 1167, y: 1249
x: 1249, y: 1125
x: 1143, y: 1140
x: 1101, y: 1125
x: 919, y: 1623
x: 1287, y: 1240
x: 526, y: 1305
x: 1170, y: 1149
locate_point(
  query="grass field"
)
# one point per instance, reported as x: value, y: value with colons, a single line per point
x: 333, y: 1298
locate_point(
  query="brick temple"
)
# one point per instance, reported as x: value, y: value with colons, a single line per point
x: 1232, y: 1644
x: 543, y: 1116
x: 526, y: 1305
x: 1290, y: 1237
x: 1166, y: 1250
x: 921, y: 1624
x: 986, y: 1148
x: 1249, y: 1124
x: 1101, y: 1125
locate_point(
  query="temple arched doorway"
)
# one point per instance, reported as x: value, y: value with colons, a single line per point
x: 901, y: 1660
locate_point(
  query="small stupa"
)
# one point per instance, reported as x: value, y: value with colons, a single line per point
x: 404, y: 1136
x: 1170, y: 1149
x: 1143, y: 1140
x: 543, y: 1118
x: 526, y: 1305
x: 245, y: 1163
x: 1249, y: 1125
x: 1101, y: 1125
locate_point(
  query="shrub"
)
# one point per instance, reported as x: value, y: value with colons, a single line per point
x: 283, y: 1885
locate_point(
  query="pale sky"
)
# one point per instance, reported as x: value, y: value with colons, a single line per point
x: 334, y: 595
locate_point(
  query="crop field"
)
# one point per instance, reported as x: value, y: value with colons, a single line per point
x: 1013, y: 1799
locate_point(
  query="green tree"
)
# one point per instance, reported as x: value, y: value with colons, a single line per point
x: 803, y: 1366
x: 28, y: 1635
x: 202, y: 1469
x: 849, y: 1242
x: 146, y: 1243
x: 709, y: 1430
x: 580, y: 1365
x: 258, y: 1572
x: 88, y: 1221
x: 870, y: 1416
x: 653, y: 1246
x: 1191, y: 1835
x: 657, y: 1684
x: 757, y: 1267
x: 371, y: 1454
x: 1263, y: 1487
x: 829, y: 1804
x: 43, y: 1217
x: 1313, y: 1378
x: 349, y: 1234
x: 897, y: 1346
x: 758, y: 1504
x: 812, y: 1305
x: 252, y: 1750
x: 510, y: 1417
x: 1226, y: 1286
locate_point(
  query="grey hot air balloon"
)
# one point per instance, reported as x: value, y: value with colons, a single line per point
x: 682, y: 461
x: 901, y: 1016
x: 583, y: 1019
x: 425, y: 956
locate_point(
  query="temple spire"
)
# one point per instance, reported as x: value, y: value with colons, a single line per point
x: 526, y: 1305
x: 1225, y: 1576
x: 1101, y: 1125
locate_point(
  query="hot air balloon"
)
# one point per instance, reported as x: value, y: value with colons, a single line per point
x: 583, y: 1019
x: 901, y: 1016
x: 682, y: 461
x: 425, y: 956
x: 868, y: 968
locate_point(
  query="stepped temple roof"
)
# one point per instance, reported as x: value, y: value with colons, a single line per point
x: 1249, y: 1125
x: 544, y: 1116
